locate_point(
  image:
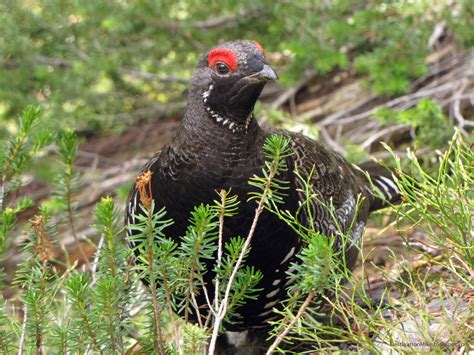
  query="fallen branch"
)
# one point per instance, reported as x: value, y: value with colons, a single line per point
x: 335, y: 116
x: 456, y: 108
x: 381, y: 134
x: 332, y: 143
x: 292, y: 91
x: 409, y: 100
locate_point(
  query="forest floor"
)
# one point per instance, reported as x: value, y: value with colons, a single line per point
x: 338, y: 104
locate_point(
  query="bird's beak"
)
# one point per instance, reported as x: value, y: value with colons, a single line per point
x: 266, y: 74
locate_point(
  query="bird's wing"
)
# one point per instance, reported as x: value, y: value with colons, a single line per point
x: 338, y: 204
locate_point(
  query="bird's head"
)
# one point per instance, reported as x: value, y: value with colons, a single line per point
x: 229, y: 79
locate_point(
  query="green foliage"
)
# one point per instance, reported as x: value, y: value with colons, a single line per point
x: 461, y: 21
x: 18, y: 151
x: 149, y: 238
x: 67, y: 179
x: 39, y: 283
x: 67, y: 144
x: 351, y: 314
x: 15, y: 156
x: 398, y: 34
x: 244, y: 287
x: 113, y: 291
x: 8, y: 219
x: 317, y: 265
x: 276, y: 150
x: 432, y: 127
x: 102, y: 309
x: 109, y: 218
x: 8, y: 328
x: 80, y: 298
x: 107, y: 64
x: 356, y: 154
x: 199, y: 240
x: 442, y: 205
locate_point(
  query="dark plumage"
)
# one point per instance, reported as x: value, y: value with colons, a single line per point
x: 219, y: 146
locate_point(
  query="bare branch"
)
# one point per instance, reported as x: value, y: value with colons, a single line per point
x: 222, y: 194
x: 409, y: 101
x: 384, y: 132
x: 287, y: 329
x: 292, y: 91
x: 23, y: 330
x: 335, y: 116
x: 456, y: 107
x: 332, y: 143
x: 95, y: 263
x: 221, y: 312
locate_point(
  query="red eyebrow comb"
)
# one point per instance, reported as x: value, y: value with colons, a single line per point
x: 223, y: 55
x: 259, y: 46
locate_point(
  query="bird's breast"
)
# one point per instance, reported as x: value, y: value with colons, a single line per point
x: 183, y: 182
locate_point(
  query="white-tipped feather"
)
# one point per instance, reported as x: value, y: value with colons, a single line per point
x: 273, y: 293
x: 289, y: 255
x: 266, y: 313
x: 391, y: 184
x: 386, y: 193
x: 270, y: 304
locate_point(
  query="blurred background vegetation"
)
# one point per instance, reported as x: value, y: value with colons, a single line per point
x: 353, y: 74
x: 105, y: 64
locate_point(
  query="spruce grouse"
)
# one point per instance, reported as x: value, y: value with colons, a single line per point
x: 219, y: 146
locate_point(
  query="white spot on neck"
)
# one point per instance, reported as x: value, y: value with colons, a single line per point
x: 233, y: 126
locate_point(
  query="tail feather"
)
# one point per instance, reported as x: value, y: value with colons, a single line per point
x: 384, y: 190
x: 387, y: 192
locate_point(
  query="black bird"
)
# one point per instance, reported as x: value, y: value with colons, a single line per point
x: 219, y: 146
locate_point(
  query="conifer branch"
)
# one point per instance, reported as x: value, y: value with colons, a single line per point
x: 143, y: 186
x: 89, y: 329
x: 222, y: 307
x: 110, y: 316
x: 171, y: 311
x: 276, y: 149
x: 73, y: 229
x: 158, y: 337
x: 67, y: 150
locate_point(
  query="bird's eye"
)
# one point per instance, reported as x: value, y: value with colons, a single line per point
x: 222, y: 69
